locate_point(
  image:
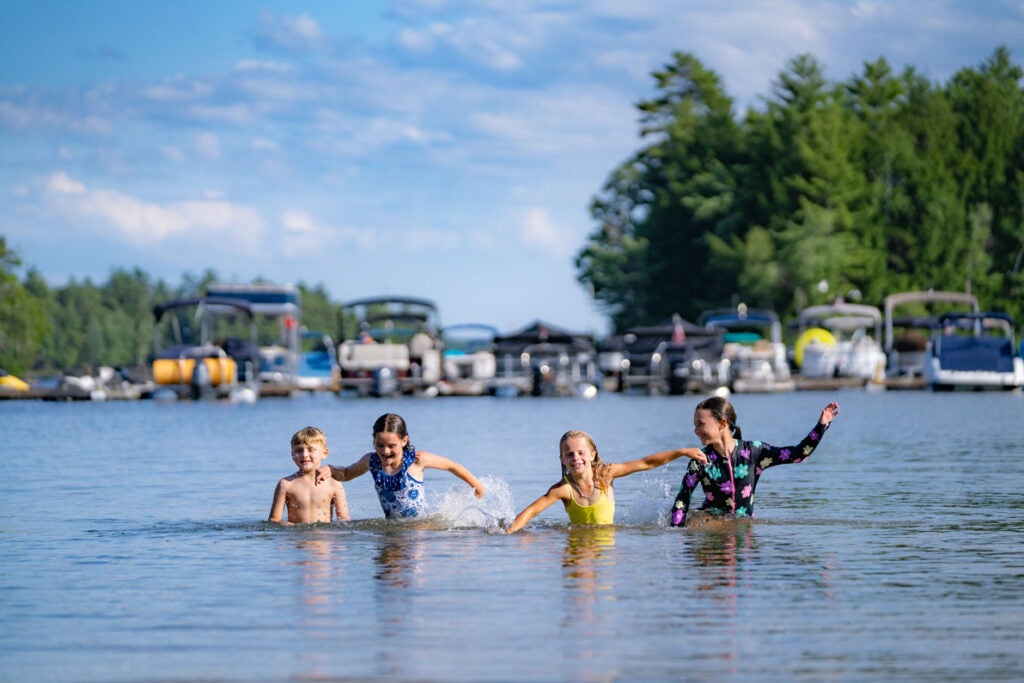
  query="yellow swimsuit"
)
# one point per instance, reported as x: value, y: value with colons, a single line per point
x: 601, y: 512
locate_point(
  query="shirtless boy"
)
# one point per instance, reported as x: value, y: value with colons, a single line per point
x: 308, y: 502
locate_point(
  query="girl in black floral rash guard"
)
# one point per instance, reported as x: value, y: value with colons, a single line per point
x: 734, y: 466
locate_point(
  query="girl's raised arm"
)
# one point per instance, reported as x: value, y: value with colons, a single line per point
x: 557, y: 492
x: 437, y: 462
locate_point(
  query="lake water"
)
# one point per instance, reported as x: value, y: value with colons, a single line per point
x: 133, y: 547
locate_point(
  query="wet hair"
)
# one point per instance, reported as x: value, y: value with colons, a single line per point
x: 721, y: 409
x: 601, y: 474
x: 309, y: 435
x: 390, y: 423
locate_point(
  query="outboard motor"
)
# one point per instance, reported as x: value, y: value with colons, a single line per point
x: 199, y: 386
x: 385, y: 382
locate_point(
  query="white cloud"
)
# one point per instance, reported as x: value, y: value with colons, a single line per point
x: 385, y: 131
x: 177, y: 89
x: 301, y: 33
x: 305, y: 28
x: 304, y: 235
x: 423, y: 40
x: 61, y: 183
x: 208, y: 145
x: 148, y: 224
x: 538, y: 231
x: 263, y: 66
x: 19, y: 114
x: 235, y: 115
x: 264, y: 145
x: 172, y: 152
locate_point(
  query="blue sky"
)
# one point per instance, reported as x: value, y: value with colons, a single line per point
x: 409, y: 147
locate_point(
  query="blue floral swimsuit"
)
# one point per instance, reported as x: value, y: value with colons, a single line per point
x: 400, y: 494
x: 729, y: 483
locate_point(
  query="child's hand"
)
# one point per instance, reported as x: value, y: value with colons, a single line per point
x: 697, y: 454
x: 479, y: 490
x: 322, y: 475
x: 830, y: 411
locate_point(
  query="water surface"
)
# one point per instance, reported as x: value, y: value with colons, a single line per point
x: 133, y: 547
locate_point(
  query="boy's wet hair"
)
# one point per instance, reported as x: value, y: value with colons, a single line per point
x: 721, y: 409
x: 309, y: 435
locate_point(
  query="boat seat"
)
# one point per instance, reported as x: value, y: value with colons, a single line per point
x: 357, y: 356
x: 976, y: 353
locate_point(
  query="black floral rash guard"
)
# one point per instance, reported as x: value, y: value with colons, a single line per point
x: 729, y: 483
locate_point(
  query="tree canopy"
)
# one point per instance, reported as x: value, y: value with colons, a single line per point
x: 883, y: 183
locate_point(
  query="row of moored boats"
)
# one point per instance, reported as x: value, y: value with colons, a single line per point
x: 241, y: 342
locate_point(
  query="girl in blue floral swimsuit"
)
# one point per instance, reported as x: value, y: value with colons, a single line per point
x: 397, y: 469
x: 734, y: 465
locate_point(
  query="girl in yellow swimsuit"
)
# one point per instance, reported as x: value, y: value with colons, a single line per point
x: 585, y: 488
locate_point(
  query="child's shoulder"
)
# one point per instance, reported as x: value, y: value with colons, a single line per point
x: 292, y: 481
x: 561, y: 488
x: 424, y: 456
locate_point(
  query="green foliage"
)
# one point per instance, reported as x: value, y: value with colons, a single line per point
x: 644, y: 261
x: 81, y: 325
x: 883, y: 183
x: 23, y: 324
x: 319, y: 313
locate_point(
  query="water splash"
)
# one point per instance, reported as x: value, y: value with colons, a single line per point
x: 650, y: 506
x: 460, y: 508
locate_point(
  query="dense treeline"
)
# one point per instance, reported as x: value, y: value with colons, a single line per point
x: 82, y: 325
x: 883, y: 183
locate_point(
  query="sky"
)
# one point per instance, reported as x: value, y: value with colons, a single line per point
x: 431, y: 148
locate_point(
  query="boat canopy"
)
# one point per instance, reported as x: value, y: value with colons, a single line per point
x: 539, y: 332
x: 741, y: 318
x: 929, y: 297
x: 842, y: 317
x: 209, y: 302
x: 978, y: 320
x: 738, y: 316
x: 391, y: 316
x: 390, y: 300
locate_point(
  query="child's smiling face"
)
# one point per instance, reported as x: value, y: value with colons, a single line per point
x: 308, y: 456
x: 577, y: 454
x: 389, y: 447
x: 707, y: 428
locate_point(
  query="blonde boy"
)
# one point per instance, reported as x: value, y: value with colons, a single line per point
x: 307, y: 501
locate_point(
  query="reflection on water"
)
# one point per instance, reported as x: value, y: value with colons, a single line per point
x: 586, y: 556
x: 716, y: 545
x: 317, y: 569
x: 399, y: 559
x: 317, y: 553
x: 588, y: 562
